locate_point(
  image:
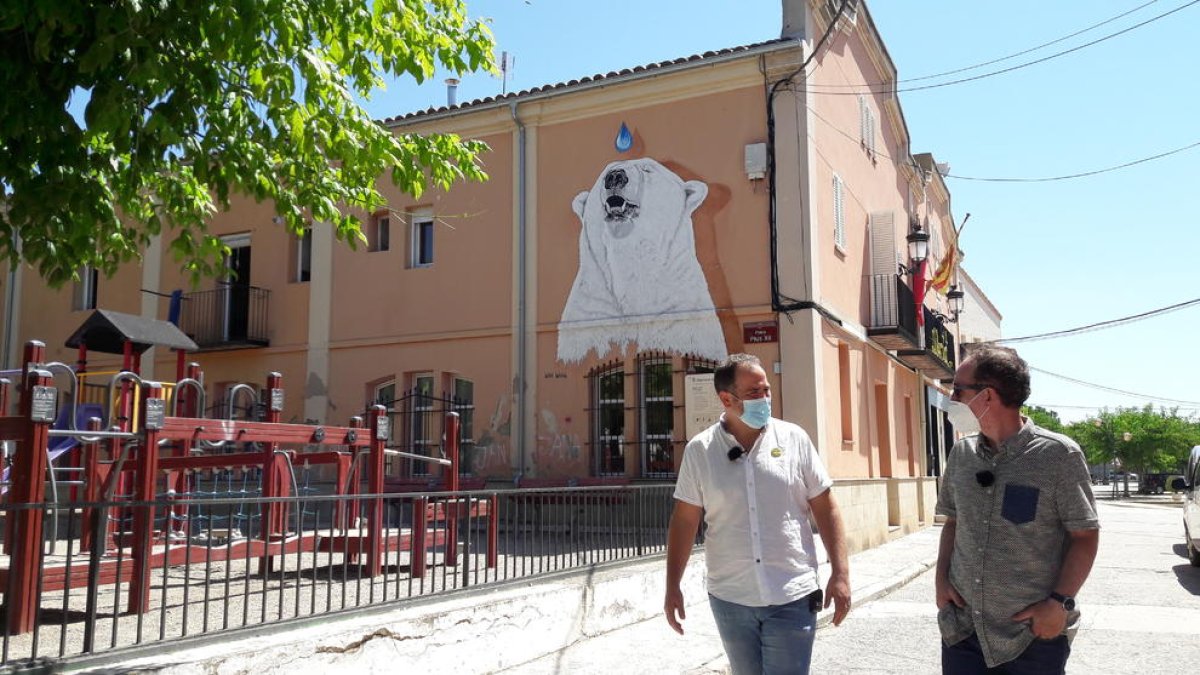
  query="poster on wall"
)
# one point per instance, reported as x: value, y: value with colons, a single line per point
x: 701, y: 406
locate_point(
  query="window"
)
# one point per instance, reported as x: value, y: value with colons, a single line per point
x: 421, y: 246
x: 657, y: 414
x: 422, y: 424
x: 608, y: 421
x: 839, y: 216
x: 844, y: 390
x: 379, y: 236
x: 867, y: 126
x: 464, y: 405
x: 304, y: 256
x: 85, y: 289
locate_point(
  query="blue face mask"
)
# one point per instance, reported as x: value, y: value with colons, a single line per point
x: 756, y: 412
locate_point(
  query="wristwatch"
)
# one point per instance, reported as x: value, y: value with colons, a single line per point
x: 1067, y: 601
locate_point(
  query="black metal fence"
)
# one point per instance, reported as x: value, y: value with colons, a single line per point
x: 231, y: 315
x: 893, y: 305
x: 417, y: 423
x: 214, y: 572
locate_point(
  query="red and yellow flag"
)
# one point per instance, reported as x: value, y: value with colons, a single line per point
x: 940, y: 281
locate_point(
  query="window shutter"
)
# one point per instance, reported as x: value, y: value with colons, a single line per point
x: 839, y: 217
x: 883, y: 243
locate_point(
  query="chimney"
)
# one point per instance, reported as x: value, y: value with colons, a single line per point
x: 793, y: 19
x: 451, y: 91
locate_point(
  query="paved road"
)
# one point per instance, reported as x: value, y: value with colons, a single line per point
x: 1141, y: 609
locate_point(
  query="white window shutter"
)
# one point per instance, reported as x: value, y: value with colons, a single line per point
x: 883, y: 242
x: 839, y: 214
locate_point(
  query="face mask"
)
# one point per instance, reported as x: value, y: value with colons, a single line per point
x: 962, y: 418
x: 756, y: 412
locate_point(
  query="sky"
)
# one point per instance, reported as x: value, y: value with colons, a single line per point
x: 1051, y: 255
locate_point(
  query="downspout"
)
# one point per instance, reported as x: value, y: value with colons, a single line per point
x: 519, y: 379
x: 10, y: 310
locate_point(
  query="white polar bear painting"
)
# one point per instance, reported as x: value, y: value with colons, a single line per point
x: 639, y: 281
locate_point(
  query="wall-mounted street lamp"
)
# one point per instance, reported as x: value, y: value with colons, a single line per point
x: 918, y: 248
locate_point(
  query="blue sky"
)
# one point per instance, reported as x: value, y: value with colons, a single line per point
x: 1050, y: 255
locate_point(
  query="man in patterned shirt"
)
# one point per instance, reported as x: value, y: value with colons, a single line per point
x: 1021, y: 530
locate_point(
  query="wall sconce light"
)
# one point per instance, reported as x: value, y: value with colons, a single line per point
x: 918, y: 248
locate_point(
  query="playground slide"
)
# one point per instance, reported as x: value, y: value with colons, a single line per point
x: 63, y: 444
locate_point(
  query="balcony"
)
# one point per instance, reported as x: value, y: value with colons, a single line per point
x: 232, y: 316
x: 893, y: 322
x: 937, y: 360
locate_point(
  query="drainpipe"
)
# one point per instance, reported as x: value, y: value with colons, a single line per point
x: 10, y: 308
x: 519, y: 384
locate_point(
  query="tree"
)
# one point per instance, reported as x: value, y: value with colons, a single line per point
x: 1044, y: 418
x: 1143, y: 440
x: 188, y: 103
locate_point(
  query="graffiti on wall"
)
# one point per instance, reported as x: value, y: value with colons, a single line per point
x: 639, y: 282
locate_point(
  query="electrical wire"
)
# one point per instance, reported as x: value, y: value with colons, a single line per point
x: 889, y: 88
x: 1002, y: 58
x: 1077, y: 175
x: 1099, y: 325
x: 1114, y: 390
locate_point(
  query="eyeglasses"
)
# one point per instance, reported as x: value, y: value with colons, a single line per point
x: 958, y: 389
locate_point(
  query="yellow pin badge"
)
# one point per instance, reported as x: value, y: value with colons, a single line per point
x: 776, y: 452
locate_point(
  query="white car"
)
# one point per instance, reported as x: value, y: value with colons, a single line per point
x: 1191, y: 506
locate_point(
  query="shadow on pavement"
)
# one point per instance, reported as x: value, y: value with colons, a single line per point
x: 1189, y: 577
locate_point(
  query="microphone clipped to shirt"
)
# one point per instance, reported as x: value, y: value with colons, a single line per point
x: 735, y: 453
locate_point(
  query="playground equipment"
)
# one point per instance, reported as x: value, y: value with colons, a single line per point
x: 142, y: 461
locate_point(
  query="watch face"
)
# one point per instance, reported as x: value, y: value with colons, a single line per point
x: 1069, y: 604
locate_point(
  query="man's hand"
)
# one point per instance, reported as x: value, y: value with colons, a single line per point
x: 1047, y: 618
x: 946, y: 593
x: 672, y: 605
x: 838, y: 592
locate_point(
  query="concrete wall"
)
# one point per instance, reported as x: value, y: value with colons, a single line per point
x: 471, y: 632
x: 864, y: 507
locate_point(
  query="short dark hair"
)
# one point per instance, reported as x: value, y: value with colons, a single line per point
x: 1003, y: 370
x: 726, y: 372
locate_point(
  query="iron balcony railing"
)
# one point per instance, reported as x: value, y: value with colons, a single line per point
x: 216, y: 570
x: 230, y: 316
x: 893, y: 321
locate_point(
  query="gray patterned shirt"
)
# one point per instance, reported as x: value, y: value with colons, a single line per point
x: 1010, y: 537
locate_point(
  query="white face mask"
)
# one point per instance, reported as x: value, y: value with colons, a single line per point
x: 962, y: 418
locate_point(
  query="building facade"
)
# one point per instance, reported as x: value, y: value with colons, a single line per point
x: 636, y: 228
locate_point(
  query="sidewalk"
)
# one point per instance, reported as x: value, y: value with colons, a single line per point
x: 652, y: 647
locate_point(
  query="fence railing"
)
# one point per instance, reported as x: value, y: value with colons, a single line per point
x: 216, y: 569
x: 229, y: 316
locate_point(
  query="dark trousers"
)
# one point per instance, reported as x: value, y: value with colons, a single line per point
x: 1042, y: 657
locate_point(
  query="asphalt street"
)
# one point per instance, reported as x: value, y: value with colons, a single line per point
x: 1141, y: 608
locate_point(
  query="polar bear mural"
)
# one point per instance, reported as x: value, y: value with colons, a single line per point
x: 639, y: 281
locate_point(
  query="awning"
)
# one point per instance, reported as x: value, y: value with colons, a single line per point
x: 106, y: 331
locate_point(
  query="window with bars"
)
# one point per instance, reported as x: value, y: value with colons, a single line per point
x: 421, y: 429
x: 656, y: 408
x: 608, y: 421
x: 464, y: 405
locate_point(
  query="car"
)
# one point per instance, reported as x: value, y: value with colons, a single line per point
x: 1190, y: 484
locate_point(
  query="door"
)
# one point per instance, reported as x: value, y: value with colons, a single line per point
x: 237, y: 290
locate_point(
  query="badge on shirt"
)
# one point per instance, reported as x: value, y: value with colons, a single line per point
x: 776, y: 452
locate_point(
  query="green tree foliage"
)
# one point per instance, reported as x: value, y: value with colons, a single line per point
x: 190, y: 102
x: 1044, y: 418
x: 1142, y: 440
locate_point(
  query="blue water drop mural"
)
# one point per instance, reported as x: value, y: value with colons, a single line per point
x: 624, y: 139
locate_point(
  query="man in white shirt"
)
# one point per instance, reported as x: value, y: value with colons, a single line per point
x: 754, y: 480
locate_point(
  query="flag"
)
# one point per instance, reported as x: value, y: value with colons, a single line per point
x: 940, y: 281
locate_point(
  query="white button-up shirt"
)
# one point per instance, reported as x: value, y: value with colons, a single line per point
x: 759, y: 545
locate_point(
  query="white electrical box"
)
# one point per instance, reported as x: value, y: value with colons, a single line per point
x: 756, y: 161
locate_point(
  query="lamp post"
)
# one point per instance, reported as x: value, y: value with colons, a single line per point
x: 918, y: 253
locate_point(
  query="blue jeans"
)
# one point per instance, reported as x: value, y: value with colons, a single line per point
x: 771, y: 640
x: 1041, y: 657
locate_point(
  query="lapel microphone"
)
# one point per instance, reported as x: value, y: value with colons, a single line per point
x: 735, y: 453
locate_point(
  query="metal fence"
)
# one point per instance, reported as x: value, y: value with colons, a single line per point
x: 214, y: 571
x: 231, y: 315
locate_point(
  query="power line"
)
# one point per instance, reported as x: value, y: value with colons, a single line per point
x: 1100, y: 325
x: 1114, y: 390
x: 874, y: 88
x: 1002, y: 58
x: 1078, y: 175
x: 1064, y: 406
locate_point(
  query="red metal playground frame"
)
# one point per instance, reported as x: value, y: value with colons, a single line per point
x: 157, y: 457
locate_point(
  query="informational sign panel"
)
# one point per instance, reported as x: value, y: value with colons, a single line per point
x: 760, y: 332
x: 701, y: 406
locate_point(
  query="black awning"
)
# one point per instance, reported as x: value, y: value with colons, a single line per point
x: 106, y: 331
